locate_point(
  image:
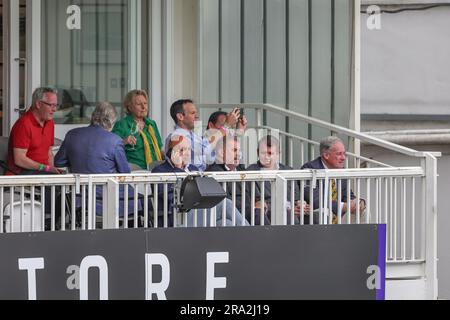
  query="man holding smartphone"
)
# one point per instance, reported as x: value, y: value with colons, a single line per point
x: 233, y: 123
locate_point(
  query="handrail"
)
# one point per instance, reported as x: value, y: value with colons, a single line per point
x: 323, y: 124
x: 38, y: 181
x: 293, y: 136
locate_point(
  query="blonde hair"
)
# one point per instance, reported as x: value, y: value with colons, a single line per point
x: 129, y: 98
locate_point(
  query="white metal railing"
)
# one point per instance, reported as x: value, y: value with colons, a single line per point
x: 396, y: 197
x: 393, y: 196
x: 405, y: 199
x: 312, y: 146
x: 426, y: 208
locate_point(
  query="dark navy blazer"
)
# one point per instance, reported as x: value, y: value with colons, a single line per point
x: 318, y: 165
x: 94, y: 150
x: 215, y: 167
x: 268, y: 189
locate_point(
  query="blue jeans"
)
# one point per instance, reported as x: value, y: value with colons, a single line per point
x: 219, y: 220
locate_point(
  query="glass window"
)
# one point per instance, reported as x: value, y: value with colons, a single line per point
x: 85, y: 55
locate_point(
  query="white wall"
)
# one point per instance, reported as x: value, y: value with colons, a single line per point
x: 405, y: 65
x: 405, y: 85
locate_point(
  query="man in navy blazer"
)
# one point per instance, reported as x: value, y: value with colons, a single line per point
x: 332, y: 156
x: 95, y: 150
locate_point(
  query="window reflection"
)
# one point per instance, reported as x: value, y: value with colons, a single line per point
x: 86, y: 65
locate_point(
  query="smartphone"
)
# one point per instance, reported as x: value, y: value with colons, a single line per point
x: 242, y: 113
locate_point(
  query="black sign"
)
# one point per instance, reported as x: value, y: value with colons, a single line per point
x: 242, y: 263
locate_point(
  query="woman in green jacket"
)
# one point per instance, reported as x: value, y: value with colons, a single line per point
x: 140, y: 134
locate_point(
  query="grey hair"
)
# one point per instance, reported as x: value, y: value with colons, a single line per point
x: 221, y: 148
x: 224, y: 141
x: 327, y: 143
x: 104, y: 115
x: 39, y: 93
x: 269, y: 141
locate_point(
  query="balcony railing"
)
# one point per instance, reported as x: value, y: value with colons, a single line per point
x: 403, y: 198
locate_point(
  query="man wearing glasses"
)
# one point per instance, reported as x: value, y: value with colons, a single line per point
x: 32, y: 137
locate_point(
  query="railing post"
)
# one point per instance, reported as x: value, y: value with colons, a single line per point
x: 278, y: 202
x: 91, y: 205
x: 430, y: 169
x: 110, y: 215
x: 259, y: 122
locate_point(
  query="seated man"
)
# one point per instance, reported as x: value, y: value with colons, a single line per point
x: 269, y: 159
x: 95, y: 150
x: 332, y: 156
x: 178, y: 159
x: 32, y: 137
x: 228, y: 157
x: 222, y: 124
x: 30, y: 146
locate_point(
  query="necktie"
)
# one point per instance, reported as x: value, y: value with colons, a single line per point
x: 334, y: 193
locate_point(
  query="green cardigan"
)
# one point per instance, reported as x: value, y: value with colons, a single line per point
x: 123, y: 129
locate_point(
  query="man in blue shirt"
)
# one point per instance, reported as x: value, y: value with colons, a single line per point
x: 185, y: 115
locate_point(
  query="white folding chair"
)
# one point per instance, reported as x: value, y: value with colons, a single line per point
x: 14, y: 219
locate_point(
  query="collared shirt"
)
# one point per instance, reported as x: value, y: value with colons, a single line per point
x: 28, y: 134
x: 201, y: 151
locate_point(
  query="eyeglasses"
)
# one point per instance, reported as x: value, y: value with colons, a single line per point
x: 53, y: 105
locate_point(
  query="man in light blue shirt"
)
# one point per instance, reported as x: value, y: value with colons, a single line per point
x: 185, y: 115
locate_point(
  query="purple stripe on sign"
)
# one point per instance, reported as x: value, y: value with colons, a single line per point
x: 381, y: 293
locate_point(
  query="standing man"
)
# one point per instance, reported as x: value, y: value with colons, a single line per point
x: 33, y: 136
x: 185, y: 115
x: 332, y: 156
x: 233, y: 123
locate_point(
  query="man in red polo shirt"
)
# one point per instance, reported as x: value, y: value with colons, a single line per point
x: 32, y: 136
